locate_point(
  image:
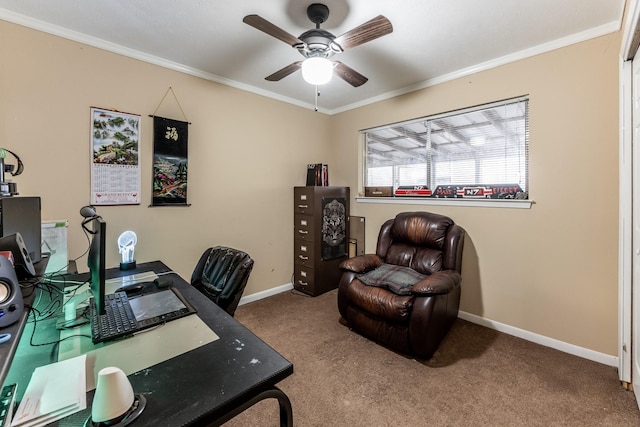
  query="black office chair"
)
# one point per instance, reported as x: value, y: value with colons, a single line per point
x: 222, y: 274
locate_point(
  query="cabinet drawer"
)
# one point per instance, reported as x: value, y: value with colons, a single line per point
x: 304, y: 227
x: 304, y: 279
x: 303, y: 200
x: 303, y: 252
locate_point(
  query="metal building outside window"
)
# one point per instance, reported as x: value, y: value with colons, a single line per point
x: 478, y: 152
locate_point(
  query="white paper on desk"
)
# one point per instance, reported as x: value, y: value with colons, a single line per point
x: 54, y: 391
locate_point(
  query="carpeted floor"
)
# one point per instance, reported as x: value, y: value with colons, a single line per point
x: 478, y: 376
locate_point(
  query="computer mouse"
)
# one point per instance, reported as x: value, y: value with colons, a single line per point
x: 163, y: 282
x: 131, y: 289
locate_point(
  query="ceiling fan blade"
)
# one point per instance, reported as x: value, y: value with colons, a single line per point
x: 370, y: 30
x: 284, y: 72
x: 349, y: 75
x: 267, y: 27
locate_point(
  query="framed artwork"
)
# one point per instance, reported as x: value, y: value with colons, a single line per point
x: 115, y: 153
x: 334, y: 228
x: 170, y: 171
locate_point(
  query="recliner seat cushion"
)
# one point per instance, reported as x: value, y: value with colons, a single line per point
x: 379, y: 302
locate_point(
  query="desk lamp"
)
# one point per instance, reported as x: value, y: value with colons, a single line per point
x: 126, y: 245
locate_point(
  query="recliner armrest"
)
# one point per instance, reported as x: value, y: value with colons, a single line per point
x: 438, y: 283
x: 361, y: 263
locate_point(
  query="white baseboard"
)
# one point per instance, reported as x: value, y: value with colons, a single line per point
x: 264, y: 294
x: 585, y: 353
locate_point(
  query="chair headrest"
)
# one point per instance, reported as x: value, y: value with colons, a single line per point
x: 421, y: 228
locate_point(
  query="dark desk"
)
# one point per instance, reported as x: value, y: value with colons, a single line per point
x: 207, y: 385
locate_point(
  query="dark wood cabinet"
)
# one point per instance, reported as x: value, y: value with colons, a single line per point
x: 321, y: 237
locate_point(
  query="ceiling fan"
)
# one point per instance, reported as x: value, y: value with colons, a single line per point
x: 318, y: 45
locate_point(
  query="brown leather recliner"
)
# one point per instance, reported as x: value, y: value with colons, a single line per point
x: 406, y: 295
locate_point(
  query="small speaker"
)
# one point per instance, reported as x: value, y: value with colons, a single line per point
x: 11, y: 305
x: 22, y: 260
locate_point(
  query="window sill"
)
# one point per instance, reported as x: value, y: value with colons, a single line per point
x: 479, y: 203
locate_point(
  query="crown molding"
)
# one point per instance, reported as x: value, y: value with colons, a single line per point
x: 132, y: 53
x: 516, y: 56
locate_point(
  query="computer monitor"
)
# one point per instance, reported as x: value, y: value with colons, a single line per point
x: 22, y: 215
x: 96, y: 262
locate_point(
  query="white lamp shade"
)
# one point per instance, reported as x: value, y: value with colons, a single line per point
x: 114, y: 395
x: 317, y: 70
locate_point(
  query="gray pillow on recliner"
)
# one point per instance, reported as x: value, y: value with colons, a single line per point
x: 395, y: 278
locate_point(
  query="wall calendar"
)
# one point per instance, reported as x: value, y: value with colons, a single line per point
x: 115, y: 167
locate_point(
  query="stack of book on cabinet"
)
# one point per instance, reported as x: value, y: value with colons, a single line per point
x: 318, y: 174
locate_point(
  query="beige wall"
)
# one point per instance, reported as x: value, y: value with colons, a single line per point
x: 246, y: 152
x: 551, y: 269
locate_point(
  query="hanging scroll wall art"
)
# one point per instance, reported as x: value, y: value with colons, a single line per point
x: 115, y: 167
x: 169, y: 162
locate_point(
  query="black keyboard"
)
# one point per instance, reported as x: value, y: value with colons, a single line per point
x: 118, y: 320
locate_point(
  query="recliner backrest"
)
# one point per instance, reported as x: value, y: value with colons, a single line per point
x: 222, y: 274
x: 424, y: 241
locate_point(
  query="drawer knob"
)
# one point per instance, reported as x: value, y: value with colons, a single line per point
x: 302, y: 257
x: 303, y: 232
x: 303, y: 206
x: 300, y: 282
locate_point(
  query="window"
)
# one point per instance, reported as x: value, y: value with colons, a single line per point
x: 478, y: 152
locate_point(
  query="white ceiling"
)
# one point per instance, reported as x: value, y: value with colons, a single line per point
x: 432, y: 40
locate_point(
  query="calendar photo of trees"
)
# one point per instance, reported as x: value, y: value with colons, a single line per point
x: 115, y: 152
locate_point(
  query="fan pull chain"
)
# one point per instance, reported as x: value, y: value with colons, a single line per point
x: 316, y: 93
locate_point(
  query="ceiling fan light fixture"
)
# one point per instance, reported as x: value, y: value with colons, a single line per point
x: 317, y: 70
